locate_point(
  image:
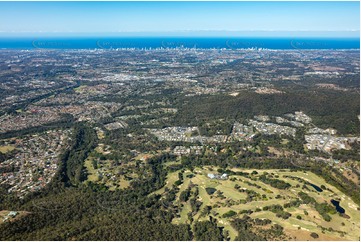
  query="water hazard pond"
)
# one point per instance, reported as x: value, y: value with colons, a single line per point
x: 317, y: 188
x: 337, y: 205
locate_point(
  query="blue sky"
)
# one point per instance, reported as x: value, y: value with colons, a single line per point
x: 96, y: 18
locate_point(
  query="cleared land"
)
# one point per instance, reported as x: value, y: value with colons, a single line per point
x: 105, y: 171
x: 231, y: 194
x: 6, y: 148
x: 80, y: 89
x: 4, y: 213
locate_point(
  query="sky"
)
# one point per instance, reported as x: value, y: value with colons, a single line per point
x: 189, y: 18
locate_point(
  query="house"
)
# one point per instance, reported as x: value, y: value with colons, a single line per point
x: 218, y: 177
x: 224, y: 176
x: 12, y: 214
x: 212, y: 176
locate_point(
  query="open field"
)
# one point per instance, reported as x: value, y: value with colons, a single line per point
x: 100, y: 133
x: 6, y: 148
x: 4, y: 213
x: 92, y: 176
x: 232, y: 194
x: 106, y: 171
x: 80, y: 89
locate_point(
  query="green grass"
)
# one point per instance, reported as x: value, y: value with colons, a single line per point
x: 308, y: 222
x: 92, y: 176
x: 184, y: 213
x: 230, y: 192
x: 80, y: 89
x: 6, y: 148
x: 284, y: 141
x: 100, y: 134
x: 171, y: 179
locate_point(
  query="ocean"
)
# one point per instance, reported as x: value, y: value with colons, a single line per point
x: 177, y: 42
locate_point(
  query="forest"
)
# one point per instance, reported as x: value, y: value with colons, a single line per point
x: 328, y: 109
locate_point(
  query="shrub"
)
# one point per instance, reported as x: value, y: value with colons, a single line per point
x: 183, y: 197
x: 228, y: 214
x: 283, y: 214
x: 210, y: 190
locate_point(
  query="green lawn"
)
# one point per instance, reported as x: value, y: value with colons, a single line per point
x: 92, y: 175
x: 308, y: 223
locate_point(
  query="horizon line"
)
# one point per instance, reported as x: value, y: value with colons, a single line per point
x: 194, y: 33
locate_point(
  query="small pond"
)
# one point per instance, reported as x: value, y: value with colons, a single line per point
x: 337, y: 205
x: 317, y: 188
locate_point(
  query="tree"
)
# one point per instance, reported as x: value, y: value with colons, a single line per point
x: 228, y: 214
x: 184, y: 195
x: 314, y: 235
